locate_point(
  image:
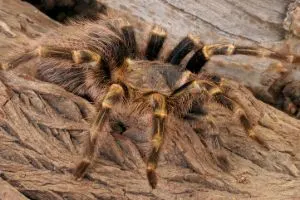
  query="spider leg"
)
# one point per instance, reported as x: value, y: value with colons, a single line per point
x: 203, y: 54
x: 113, y: 96
x: 155, y: 43
x: 78, y: 56
x: 211, y: 90
x: 185, y: 46
x: 227, y: 102
x: 159, y: 115
x: 129, y: 38
x: 206, y: 89
x: 19, y: 60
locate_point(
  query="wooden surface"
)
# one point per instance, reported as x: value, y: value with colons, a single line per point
x: 252, y: 21
x: 43, y: 126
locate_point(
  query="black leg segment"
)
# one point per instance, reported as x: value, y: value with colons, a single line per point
x: 130, y: 40
x: 181, y: 50
x: 196, y: 62
x: 155, y: 43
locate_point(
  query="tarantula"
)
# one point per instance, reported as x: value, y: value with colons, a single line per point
x: 102, y: 61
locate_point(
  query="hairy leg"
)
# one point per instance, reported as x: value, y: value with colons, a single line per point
x: 214, y: 91
x: 155, y: 42
x: 202, y: 55
x: 158, y: 103
x: 114, y: 96
x: 185, y: 46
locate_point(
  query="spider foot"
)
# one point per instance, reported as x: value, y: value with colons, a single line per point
x: 152, y: 177
x: 81, y: 168
x: 291, y: 94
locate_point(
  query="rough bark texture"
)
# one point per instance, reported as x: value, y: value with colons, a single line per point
x: 43, y: 127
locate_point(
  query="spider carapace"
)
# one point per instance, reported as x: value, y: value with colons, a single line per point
x: 102, y: 60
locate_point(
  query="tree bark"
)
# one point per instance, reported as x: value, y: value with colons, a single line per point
x: 43, y: 129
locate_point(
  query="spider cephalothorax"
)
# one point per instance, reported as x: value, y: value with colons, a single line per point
x: 102, y: 61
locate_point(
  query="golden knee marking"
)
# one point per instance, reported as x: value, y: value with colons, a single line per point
x: 218, y: 49
x: 195, y: 39
x: 214, y: 91
x: 127, y: 63
x: 41, y: 51
x: 124, y: 23
x: 206, y: 50
x: 151, y: 166
x: 81, y: 56
x: 115, y: 91
x: 157, y: 30
x: 157, y: 141
x: 161, y: 113
x: 159, y: 104
x: 230, y: 49
x: 195, y: 88
x: 107, y: 104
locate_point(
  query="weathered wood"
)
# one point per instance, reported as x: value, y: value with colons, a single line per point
x: 9, y: 192
x: 21, y: 25
x: 253, y: 21
x: 43, y: 127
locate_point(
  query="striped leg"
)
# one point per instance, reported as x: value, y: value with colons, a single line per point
x: 113, y: 96
x: 206, y: 88
x: 203, y: 54
x: 159, y: 115
x: 78, y: 56
x: 212, y: 90
x: 227, y: 102
x: 129, y: 38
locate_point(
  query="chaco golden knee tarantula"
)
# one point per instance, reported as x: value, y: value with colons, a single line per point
x: 103, y: 62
